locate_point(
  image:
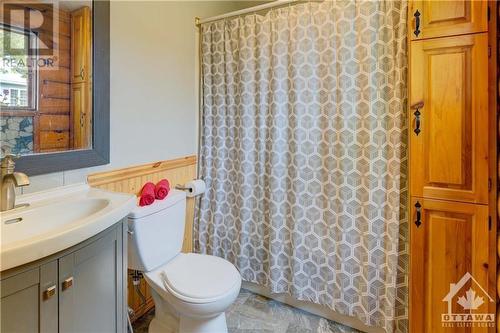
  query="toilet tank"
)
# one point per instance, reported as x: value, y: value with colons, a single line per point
x: 156, y: 232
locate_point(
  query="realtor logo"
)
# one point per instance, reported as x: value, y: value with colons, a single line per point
x: 39, y: 21
x: 471, y: 300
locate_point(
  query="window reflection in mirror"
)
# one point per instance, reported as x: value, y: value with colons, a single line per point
x: 45, y: 76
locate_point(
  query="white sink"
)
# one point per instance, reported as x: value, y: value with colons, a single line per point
x: 57, y: 219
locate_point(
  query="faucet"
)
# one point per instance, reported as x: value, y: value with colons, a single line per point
x: 9, y: 180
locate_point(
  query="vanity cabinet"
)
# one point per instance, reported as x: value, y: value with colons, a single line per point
x: 431, y: 18
x: 78, y: 290
x: 29, y: 300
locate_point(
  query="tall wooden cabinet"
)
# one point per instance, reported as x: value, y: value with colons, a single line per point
x: 449, y: 164
x: 81, y: 77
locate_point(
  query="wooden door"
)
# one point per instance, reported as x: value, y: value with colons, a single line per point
x: 449, y: 118
x: 447, y: 18
x: 80, y: 44
x: 448, y: 241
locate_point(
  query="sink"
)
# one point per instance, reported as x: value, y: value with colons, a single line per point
x: 50, y: 221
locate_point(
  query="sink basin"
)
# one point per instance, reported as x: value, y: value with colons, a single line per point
x: 57, y: 219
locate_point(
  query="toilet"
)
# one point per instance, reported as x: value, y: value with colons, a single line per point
x: 191, y: 292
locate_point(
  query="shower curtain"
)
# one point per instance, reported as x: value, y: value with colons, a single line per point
x: 304, y: 153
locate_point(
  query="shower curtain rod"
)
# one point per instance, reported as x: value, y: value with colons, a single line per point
x: 199, y: 21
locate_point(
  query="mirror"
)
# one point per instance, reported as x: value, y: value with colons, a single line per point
x: 46, y: 77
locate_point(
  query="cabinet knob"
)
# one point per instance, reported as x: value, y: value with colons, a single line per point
x: 67, y: 283
x: 49, y: 292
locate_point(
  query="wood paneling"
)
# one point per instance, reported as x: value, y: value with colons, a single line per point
x: 448, y: 243
x: 439, y: 18
x: 131, y: 180
x: 450, y: 154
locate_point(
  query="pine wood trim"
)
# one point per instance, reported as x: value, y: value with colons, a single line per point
x: 102, y: 178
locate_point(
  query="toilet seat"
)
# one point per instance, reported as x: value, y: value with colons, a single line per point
x: 195, y: 278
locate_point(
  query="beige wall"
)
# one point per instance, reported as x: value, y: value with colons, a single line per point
x: 153, y: 83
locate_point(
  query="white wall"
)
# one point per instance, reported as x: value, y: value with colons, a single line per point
x: 154, y: 103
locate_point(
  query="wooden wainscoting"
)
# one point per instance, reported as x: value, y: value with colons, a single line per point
x: 130, y: 180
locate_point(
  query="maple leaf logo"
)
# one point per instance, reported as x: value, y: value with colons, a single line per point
x: 470, y: 301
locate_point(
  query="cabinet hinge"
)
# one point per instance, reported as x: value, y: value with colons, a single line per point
x: 490, y: 184
x: 489, y: 13
x: 489, y: 223
x: 489, y: 51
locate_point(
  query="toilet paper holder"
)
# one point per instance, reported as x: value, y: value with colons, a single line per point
x: 182, y: 188
x: 193, y: 188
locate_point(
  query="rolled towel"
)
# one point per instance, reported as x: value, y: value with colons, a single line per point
x: 162, y: 189
x: 147, y: 194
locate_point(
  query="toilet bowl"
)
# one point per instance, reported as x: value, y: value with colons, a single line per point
x: 191, y: 292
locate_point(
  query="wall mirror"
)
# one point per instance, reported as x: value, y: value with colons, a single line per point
x: 54, y: 84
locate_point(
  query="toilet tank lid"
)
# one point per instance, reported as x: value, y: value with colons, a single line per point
x: 173, y: 197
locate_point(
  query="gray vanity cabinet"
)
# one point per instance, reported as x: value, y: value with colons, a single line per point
x: 29, y: 300
x: 80, y: 290
x: 88, y: 290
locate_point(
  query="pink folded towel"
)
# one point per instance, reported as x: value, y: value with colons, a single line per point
x: 147, y: 196
x: 162, y: 189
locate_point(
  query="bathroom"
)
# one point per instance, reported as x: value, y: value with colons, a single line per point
x: 249, y: 166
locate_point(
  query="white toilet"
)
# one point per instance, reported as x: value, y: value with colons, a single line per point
x: 191, y: 291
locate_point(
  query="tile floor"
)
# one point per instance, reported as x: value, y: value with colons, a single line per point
x: 253, y: 313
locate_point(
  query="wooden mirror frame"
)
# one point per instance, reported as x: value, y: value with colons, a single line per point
x: 99, y: 153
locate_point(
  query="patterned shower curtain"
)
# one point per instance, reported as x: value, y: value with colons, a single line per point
x: 304, y: 153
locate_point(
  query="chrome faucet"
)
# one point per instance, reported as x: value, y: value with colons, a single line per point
x: 9, y: 180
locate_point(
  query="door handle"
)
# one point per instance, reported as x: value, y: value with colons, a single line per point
x: 68, y: 283
x: 417, y: 115
x: 417, y: 23
x: 82, y: 72
x: 418, y: 220
x: 49, y: 292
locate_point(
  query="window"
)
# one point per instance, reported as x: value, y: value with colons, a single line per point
x: 17, y: 73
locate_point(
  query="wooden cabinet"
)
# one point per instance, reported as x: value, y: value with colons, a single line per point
x: 81, y: 78
x: 449, y: 181
x: 80, y: 44
x: 449, y: 118
x: 448, y: 240
x: 439, y: 18
x: 80, y: 290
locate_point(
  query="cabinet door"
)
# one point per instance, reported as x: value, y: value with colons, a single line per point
x: 431, y: 18
x: 80, y: 44
x: 447, y: 241
x: 29, y: 301
x: 81, y: 114
x: 449, y: 118
x: 90, y: 294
